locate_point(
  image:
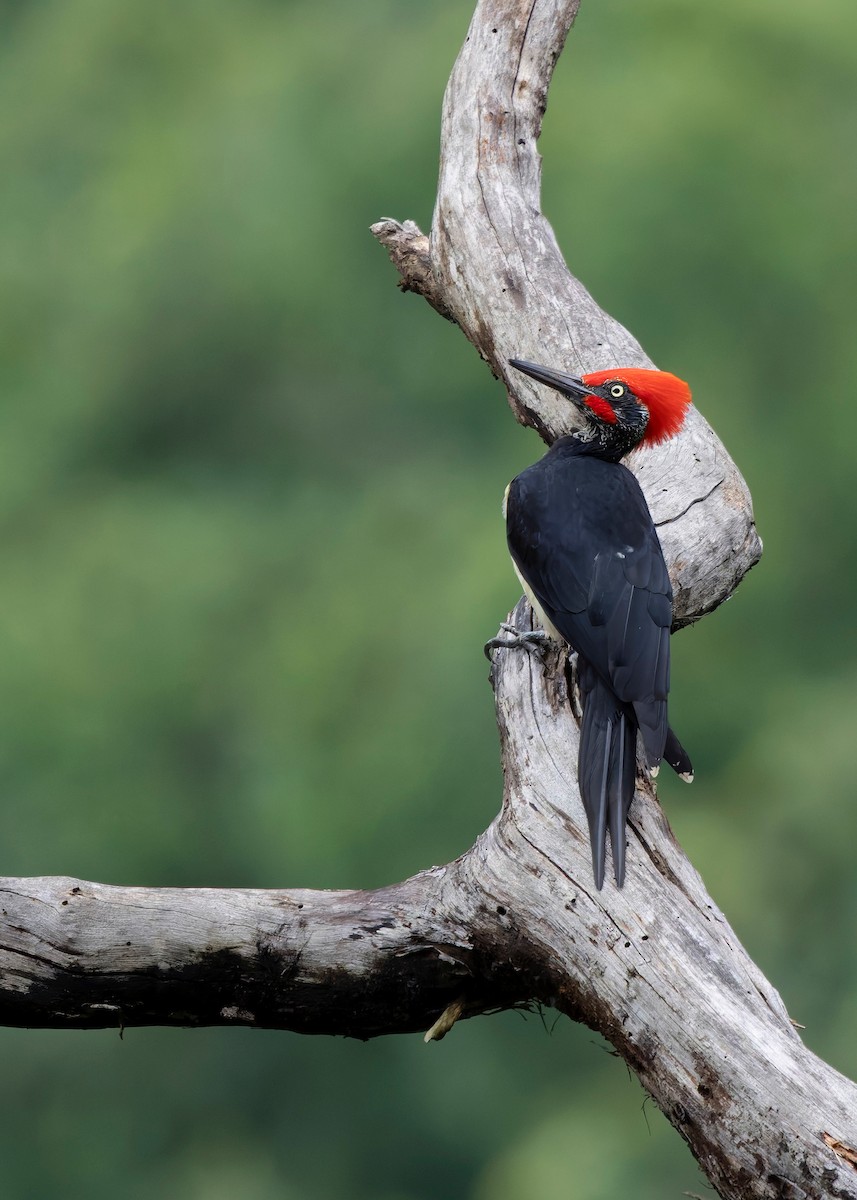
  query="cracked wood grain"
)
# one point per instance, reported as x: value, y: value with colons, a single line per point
x: 516, y: 920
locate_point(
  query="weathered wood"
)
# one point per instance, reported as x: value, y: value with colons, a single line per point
x: 493, y: 264
x: 655, y: 967
x: 85, y: 955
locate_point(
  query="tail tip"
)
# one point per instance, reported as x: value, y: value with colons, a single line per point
x: 687, y: 776
x: 598, y: 872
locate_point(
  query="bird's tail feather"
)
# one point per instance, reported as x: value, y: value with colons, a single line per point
x: 606, y: 771
x: 678, y: 757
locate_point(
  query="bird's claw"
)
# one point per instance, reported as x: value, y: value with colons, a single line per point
x: 534, y: 641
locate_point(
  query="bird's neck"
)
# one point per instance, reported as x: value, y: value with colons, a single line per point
x: 596, y: 442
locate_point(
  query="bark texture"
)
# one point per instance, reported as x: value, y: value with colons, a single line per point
x: 655, y: 968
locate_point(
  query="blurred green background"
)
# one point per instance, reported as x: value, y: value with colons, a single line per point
x: 251, y: 545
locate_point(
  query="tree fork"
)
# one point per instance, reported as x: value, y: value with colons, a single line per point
x: 655, y: 968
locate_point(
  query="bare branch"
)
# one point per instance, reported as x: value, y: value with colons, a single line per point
x: 656, y: 968
x: 495, y: 267
x: 408, y: 248
x: 358, y: 964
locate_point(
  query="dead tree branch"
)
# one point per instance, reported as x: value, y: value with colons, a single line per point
x: 655, y: 968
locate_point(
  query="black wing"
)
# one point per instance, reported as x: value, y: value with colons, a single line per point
x: 580, y: 533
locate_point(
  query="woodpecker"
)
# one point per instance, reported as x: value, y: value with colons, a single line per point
x: 586, y: 550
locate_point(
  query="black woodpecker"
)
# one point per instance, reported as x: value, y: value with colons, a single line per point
x: 585, y: 548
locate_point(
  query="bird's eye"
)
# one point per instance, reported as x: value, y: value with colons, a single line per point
x: 617, y: 390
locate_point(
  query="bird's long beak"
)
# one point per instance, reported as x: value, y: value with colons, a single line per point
x: 569, y: 385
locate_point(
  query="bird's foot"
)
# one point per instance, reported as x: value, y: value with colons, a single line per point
x: 534, y: 641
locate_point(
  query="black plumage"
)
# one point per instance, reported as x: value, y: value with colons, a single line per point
x: 587, y: 551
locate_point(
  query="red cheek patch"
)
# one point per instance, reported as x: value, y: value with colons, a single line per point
x: 601, y: 408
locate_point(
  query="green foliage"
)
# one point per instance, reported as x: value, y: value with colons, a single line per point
x: 250, y: 513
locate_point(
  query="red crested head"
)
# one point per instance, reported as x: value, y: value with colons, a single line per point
x: 666, y: 397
